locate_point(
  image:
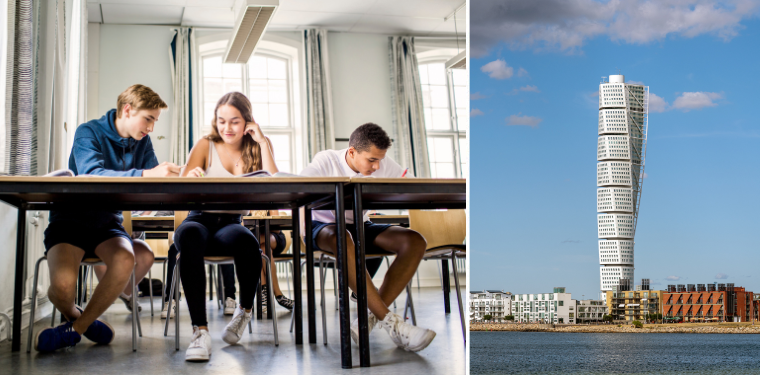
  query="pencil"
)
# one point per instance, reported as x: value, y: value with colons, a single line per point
x: 405, y: 170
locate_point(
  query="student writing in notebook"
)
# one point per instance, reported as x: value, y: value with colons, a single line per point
x: 115, y: 145
x: 235, y: 146
x: 366, y: 156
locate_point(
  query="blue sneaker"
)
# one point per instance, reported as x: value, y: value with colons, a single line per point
x: 51, y: 339
x: 99, y: 331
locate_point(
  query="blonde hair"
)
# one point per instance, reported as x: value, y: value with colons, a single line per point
x: 139, y: 97
x: 251, y: 150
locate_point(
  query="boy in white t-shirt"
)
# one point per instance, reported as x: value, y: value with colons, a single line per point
x: 365, y: 156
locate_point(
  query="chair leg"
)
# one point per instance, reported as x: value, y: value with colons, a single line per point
x: 52, y: 320
x: 171, y: 302
x: 34, y: 305
x: 163, y: 282
x: 150, y: 289
x: 271, y: 298
x: 459, y: 295
x: 335, y: 286
x: 388, y: 263
x: 134, y: 312
x: 322, y: 271
x: 219, y: 287
x: 287, y: 273
x: 176, y: 312
x: 410, y: 303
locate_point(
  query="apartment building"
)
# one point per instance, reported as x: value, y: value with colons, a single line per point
x: 496, y: 303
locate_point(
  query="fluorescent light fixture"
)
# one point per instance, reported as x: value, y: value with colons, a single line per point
x: 458, y: 62
x: 251, y: 20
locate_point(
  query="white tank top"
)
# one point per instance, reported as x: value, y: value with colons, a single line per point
x: 216, y: 169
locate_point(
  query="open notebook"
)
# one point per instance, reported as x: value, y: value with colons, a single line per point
x: 261, y: 173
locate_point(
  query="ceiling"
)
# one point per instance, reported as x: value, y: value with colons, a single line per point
x: 398, y: 17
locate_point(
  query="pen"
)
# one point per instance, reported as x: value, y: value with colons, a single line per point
x: 405, y: 170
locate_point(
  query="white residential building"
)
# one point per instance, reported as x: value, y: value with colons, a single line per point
x: 590, y: 311
x: 556, y: 307
x: 621, y: 151
x: 496, y: 303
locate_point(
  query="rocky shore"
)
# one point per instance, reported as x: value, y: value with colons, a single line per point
x: 613, y: 328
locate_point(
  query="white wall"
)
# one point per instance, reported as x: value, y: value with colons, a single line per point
x: 136, y: 54
x: 361, y: 85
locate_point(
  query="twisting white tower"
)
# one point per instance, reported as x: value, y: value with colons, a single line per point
x: 621, y: 150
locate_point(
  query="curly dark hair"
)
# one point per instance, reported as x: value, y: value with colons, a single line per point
x: 368, y: 135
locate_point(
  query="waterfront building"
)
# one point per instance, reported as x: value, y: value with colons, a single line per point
x: 634, y: 305
x: 496, y: 303
x: 621, y: 151
x: 556, y: 307
x: 590, y: 311
x: 708, y: 303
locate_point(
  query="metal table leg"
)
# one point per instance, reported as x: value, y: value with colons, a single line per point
x: 18, y: 287
x: 268, y: 251
x: 342, y: 264
x: 310, y: 302
x: 361, y: 279
x: 297, y: 310
x: 446, y: 285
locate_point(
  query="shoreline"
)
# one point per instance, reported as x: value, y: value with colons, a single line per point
x: 731, y: 328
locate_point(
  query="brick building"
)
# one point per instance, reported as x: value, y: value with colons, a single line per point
x: 708, y: 303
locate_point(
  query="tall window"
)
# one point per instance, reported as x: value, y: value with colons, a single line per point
x: 444, y: 98
x: 265, y: 80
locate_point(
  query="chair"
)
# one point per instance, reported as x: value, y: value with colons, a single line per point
x: 445, y: 232
x: 179, y: 217
x: 88, y: 262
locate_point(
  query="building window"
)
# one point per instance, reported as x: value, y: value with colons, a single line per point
x: 445, y: 97
x: 266, y: 81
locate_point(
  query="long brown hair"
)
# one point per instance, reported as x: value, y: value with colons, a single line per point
x: 251, y: 150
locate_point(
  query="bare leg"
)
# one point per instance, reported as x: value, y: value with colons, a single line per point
x: 409, y: 247
x: 275, y: 283
x: 64, y: 261
x: 143, y: 260
x: 326, y: 240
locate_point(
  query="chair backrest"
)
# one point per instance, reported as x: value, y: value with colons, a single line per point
x: 127, y: 223
x: 288, y: 239
x: 179, y: 217
x: 439, y: 227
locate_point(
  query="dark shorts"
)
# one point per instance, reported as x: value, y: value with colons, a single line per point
x: 280, y: 239
x: 86, y: 239
x: 371, y: 231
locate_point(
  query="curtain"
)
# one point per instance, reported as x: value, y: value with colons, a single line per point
x: 319, y: 110
x: 75, y: 97
x: 56, y: 152
x: 410, y: 137
x: 20, y: 91
x: 182, y: 84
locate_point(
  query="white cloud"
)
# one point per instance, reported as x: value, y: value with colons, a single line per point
x: 523, y: 120
x: 565, y: 25
x: 530, y: 88
x: 645, y: 175
x: 657, y: 104
x: 476, y: 112
x: 673, y: 278
x: 696, y: 100
x: 498, y: 69
x: 595, y: 94
x: 522, y: 73
x: 721, y: 276
x: 477, y: 95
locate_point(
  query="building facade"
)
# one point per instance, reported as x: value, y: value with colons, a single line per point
x: 621, y: 151
x: 496, y: 303
x: 557, y: 307
x: 634, y: 305
x: 708, y: 303
x: 590, y: 311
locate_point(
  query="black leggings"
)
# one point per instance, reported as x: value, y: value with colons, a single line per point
x: 206, y: 234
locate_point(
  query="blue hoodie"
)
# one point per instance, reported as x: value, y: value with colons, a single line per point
x: 100, y: 151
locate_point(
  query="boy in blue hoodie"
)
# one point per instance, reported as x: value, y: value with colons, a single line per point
x: 115, y: 145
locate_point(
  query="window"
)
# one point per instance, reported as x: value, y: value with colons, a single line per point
x: 445, y: 97
x: 266, y: 81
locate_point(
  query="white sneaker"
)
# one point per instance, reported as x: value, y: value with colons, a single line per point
x: 355, y: 327
x: 229, y: 306
x: 165, y: 311
x: 405, y: 335
x: 234, y: 330
x: 200, y: 346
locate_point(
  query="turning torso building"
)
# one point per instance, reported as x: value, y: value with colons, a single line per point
x: 621, y: 150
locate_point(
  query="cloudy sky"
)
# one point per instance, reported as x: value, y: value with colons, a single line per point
x: 535, y: 72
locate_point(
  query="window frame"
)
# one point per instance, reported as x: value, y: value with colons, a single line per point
x: 292, y: 130
x: 454, y: 133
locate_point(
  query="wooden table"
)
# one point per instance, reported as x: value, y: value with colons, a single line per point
x: 130, y: 193
x: 376, y: 193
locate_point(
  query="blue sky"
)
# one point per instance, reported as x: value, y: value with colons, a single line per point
x: 534, y: 81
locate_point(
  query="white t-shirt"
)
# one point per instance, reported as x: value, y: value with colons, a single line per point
x: 332, y: 163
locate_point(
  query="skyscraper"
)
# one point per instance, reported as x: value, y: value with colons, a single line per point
x: 621, y: 151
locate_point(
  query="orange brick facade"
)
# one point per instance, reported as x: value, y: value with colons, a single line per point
x: 721, y: 306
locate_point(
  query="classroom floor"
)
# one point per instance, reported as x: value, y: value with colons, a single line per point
x: 255, y: 353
